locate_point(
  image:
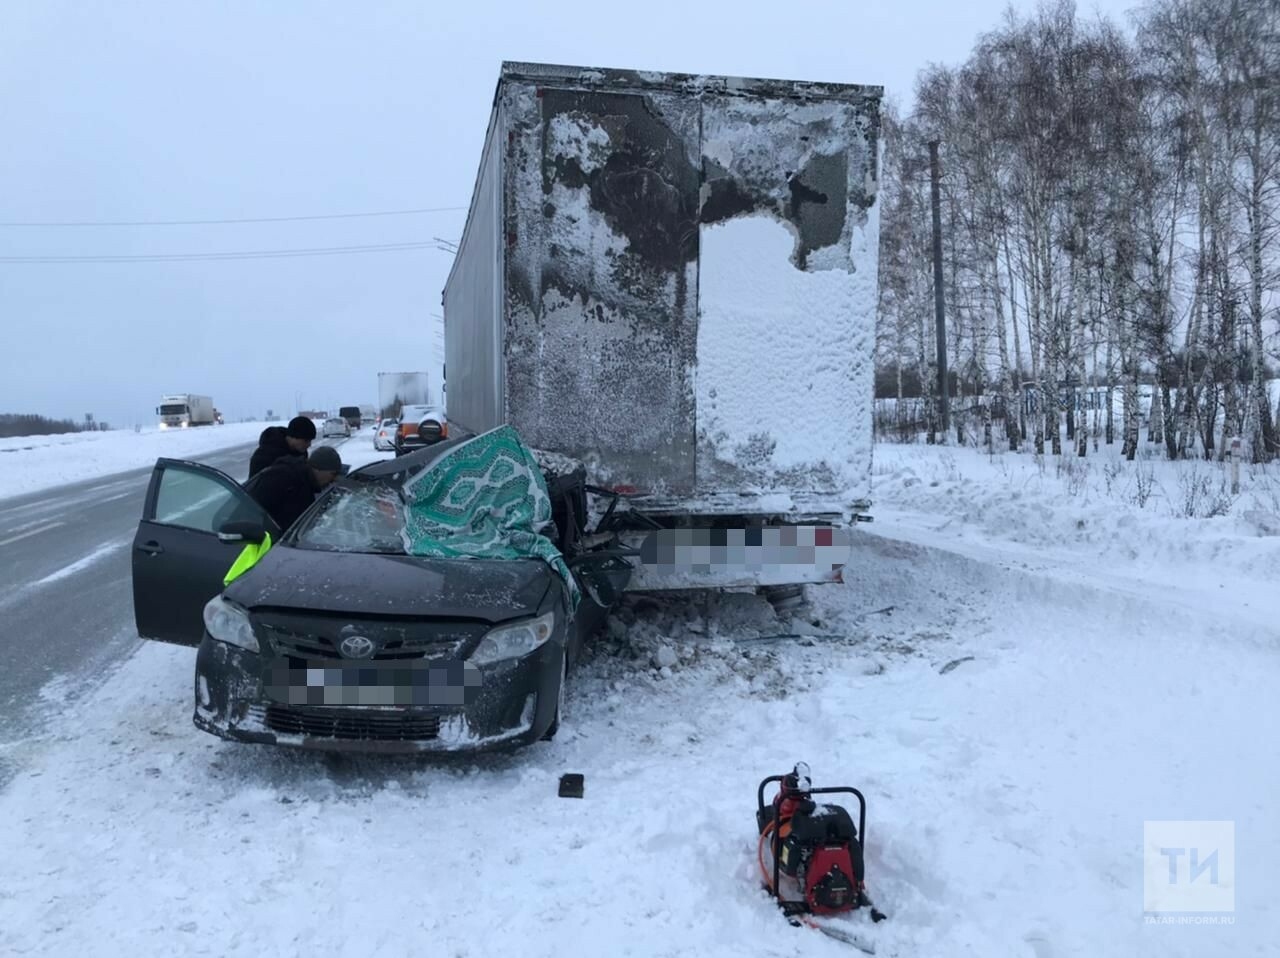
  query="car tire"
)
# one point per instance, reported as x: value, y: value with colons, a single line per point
x: 554, y: 727
x: 428, y: 436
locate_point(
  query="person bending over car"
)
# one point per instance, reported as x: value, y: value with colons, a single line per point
x: 279, y: 442
x: 287, y: 488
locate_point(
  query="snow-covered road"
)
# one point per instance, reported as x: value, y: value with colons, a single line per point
x: 1007, y: 793
x: 66, y: 604
x: 31, y: 464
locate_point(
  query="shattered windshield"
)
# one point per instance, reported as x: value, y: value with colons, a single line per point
x: 364, y: 517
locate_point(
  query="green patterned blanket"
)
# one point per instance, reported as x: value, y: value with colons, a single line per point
x: 486, y: 499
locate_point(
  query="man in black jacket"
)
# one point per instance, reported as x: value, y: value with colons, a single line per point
x: 277, y: 442
x: 287, y: 487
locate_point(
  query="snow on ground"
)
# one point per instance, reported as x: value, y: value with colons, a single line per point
x: 1175, y: 522
x: 32, y: 463
x: 358, y: 450
x: 1013, y: 721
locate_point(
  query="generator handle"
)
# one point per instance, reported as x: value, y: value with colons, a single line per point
x: 760, y: 792
x: 774, y: 825
x: 862, y: 807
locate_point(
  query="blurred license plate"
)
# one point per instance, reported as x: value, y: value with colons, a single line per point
x: 825, y: 549
x: 397, y: 682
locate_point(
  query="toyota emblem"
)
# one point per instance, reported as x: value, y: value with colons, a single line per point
x: 356, y: 647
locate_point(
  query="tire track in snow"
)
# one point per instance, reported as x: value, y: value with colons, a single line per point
x: 80, y: 565
x: 93, y: 557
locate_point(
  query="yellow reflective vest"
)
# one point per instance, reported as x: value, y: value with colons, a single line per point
x: 247, y: 559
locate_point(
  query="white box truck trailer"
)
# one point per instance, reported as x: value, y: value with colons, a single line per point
x: 182, y: 410
x: 671, y: 279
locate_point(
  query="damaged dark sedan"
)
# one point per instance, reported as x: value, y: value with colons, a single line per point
x: 348, y: 633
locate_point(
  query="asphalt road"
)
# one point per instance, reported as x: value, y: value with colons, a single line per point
x: 66, y: 598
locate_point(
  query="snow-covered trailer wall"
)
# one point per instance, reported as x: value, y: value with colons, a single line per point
x: 673, y: 278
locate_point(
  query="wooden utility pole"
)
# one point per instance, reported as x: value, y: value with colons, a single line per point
x: 944, y: 403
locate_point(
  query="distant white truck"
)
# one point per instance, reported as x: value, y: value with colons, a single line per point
x: 182, y: 410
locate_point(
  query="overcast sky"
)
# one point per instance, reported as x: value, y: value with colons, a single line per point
x: 217, y: 110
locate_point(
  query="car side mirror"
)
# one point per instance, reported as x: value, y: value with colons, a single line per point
x: 243, y: 530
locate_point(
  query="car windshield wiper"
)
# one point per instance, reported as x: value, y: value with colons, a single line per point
x: 359, y: 550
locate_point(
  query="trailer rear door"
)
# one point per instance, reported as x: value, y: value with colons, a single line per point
x: 787, y: 298
x: 602, y: 270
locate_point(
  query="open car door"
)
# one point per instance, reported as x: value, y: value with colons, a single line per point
x: 179, y: 558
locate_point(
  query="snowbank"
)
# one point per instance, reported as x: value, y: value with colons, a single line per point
x: 1173, y: 522
x: 32, y: 463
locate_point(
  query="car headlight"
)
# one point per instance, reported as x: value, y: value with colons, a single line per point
x: 227, y: 622
x: 513, y: 641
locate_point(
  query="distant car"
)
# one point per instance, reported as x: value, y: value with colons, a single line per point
x: 420, y: 426
x: 336, y: 427
x: 384, y: 437
x: 351, y: 414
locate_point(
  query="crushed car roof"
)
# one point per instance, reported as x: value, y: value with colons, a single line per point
x: 410, y: 463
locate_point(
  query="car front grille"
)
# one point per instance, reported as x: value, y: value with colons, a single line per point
x: 314, y: 637
x: 362, y: 725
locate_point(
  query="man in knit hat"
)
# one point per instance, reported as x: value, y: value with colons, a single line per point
x: 287, y: 487
x: 277, y: 442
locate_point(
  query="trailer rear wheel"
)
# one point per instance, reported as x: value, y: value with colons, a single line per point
x: 784, y: 598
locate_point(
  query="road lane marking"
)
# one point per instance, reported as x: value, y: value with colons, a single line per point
x: 29, y: 524
x: 31, y: 532
x: 31, y: 508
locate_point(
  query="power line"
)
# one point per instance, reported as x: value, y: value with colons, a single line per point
x: 214, y: 256
x: 252, y: 219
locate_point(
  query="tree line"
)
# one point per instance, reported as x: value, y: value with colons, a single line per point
x: 23, y: 424
x: 1110, y: 218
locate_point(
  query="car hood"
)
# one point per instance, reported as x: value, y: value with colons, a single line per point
x: 494, y: 590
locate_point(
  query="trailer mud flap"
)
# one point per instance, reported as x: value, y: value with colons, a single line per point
x: 730, y: 558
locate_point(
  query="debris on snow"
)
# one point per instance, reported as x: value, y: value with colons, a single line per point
x: 665, y: 657
x: 954, y: 663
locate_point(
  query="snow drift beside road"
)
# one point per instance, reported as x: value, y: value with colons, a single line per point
x: 32, y: 463
x: 1176, y: 523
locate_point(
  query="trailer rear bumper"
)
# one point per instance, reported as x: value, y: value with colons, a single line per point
x: 722, y: 558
